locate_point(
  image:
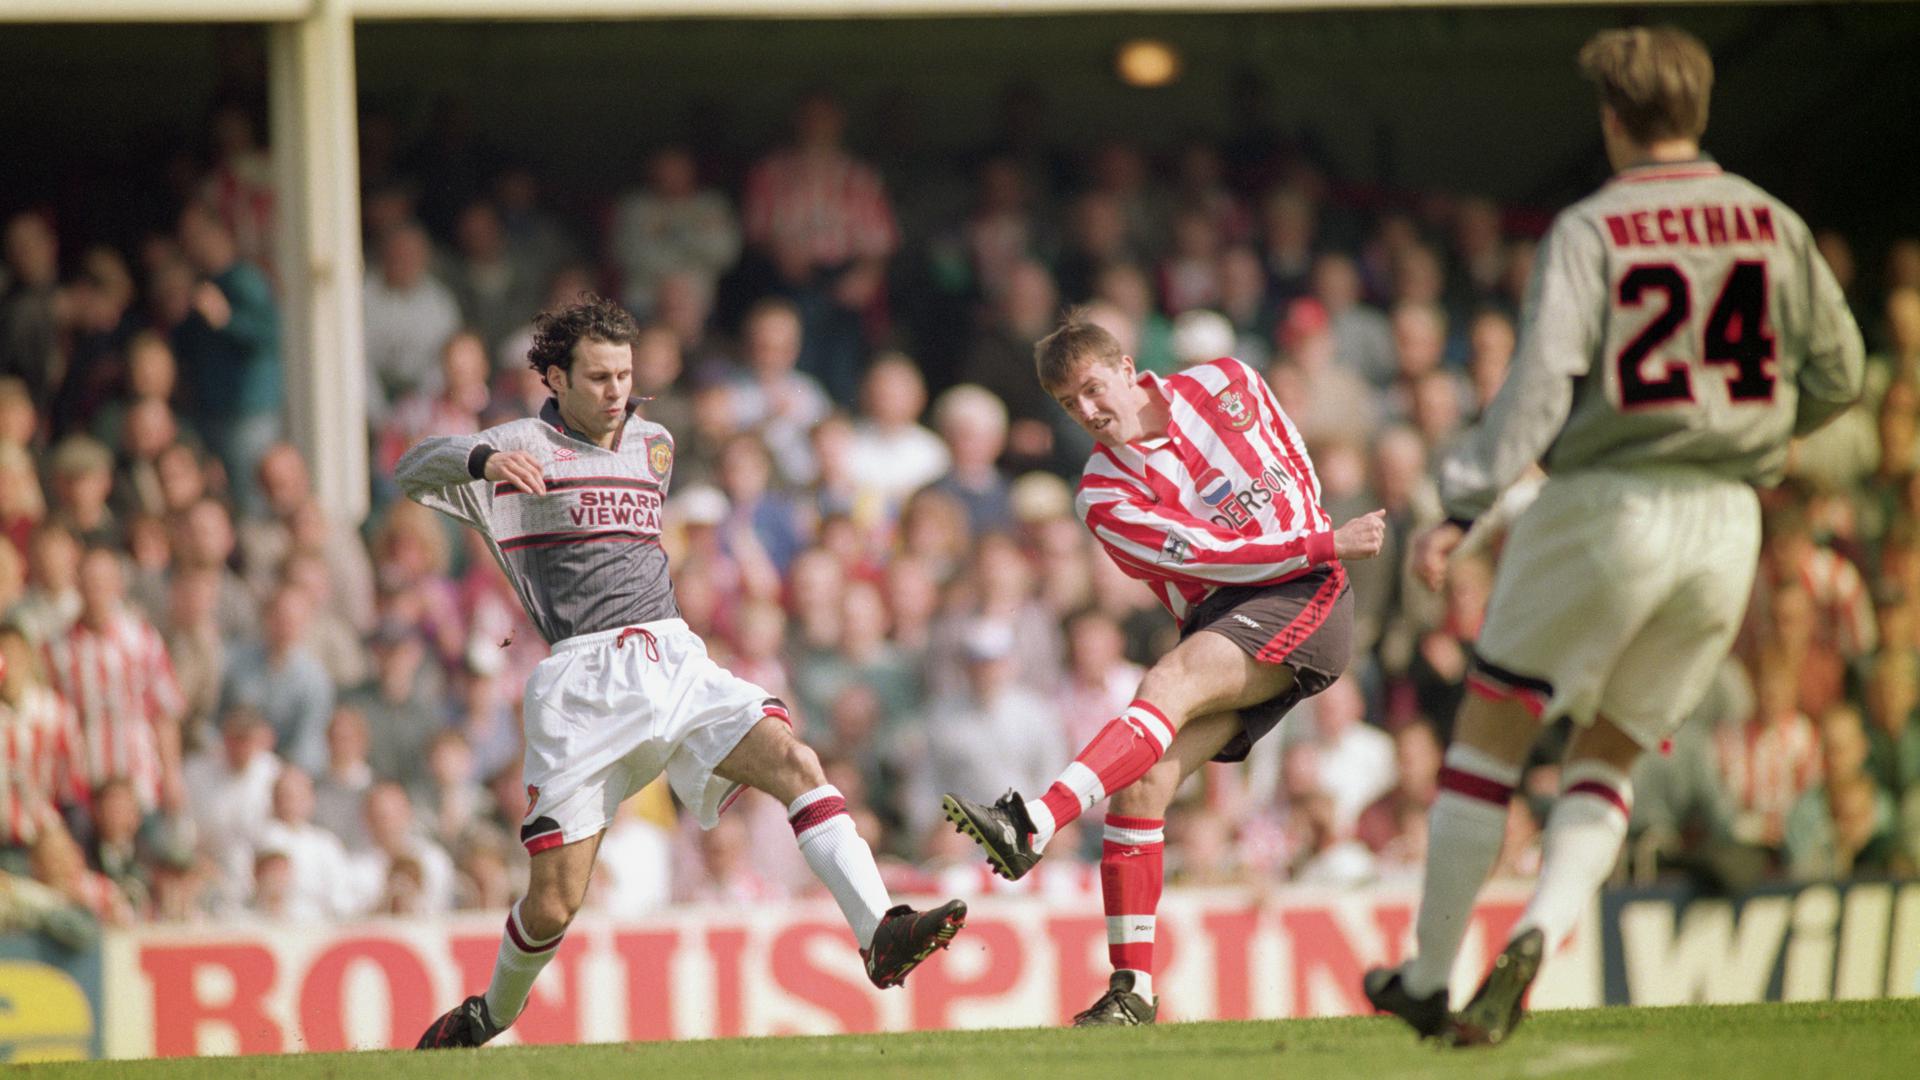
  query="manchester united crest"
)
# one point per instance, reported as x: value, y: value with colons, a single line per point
x: 660, y: 458
x: 1233, y: 406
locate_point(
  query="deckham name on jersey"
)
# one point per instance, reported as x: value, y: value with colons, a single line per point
x: 1709, y: 224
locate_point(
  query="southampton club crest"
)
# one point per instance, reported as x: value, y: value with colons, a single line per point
x: 1233, y: 406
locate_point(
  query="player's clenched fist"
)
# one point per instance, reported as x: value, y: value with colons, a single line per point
x: 1362, y: 537
x: 519, y: 469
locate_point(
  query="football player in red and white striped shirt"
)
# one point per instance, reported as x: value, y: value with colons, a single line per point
x: 113, y: 668
x: 1200, y: 486
x: 40, y: 748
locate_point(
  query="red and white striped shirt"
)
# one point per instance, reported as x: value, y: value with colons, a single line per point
x: 40, y: 764
x: 121, y: 684
x: 832, y: 209
x: 1228, y: 497
x: 1840, y: 598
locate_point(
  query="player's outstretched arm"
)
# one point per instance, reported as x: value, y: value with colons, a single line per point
x: 440, y: 462
x: 1137, y: 529
x: 1559, y: 334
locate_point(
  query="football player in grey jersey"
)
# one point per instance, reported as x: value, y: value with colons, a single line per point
x: 1679, y: 329
x: 570, y: 506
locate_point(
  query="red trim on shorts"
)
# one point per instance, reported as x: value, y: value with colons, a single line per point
x: 1530, y: 700
x: 1310, y: 619
x: 771, y: 707
x: 1601, y: 791
x: 537, y: 844
x: 521, y: 943
x: 1482, y: 788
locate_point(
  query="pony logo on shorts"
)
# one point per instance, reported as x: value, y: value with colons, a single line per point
x: 660, y: 457
x: 1233, y: 406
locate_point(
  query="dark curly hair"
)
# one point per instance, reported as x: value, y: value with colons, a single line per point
x: 589, y: 318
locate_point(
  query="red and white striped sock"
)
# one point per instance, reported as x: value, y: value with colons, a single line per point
x: 1581, y: 844
x: 1464, y: 832
x: 520, y: 961
x: 839, y: 858
x: 1121, y: 753
x: 1130, y: 875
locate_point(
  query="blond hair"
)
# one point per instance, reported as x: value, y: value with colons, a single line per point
x: 1657, y: 80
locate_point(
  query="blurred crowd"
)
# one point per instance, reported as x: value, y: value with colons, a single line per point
x: 220, y: 699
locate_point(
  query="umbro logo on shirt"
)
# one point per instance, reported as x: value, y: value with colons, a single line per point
x: 565, y: 453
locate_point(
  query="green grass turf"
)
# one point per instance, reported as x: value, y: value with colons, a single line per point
x: 1851, y: 1041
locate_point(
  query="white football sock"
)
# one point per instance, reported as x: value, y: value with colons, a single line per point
x: 1043, y: 826
x: 1464, y: 832
x: 520, y: 961
x: 838, y: 857
x: 1582, y: 843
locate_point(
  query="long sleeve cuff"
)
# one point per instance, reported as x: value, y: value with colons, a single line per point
x: 477, y: 461
x: 1319, y: 548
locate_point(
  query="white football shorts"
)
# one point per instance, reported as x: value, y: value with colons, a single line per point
x: 1618, y: 594
x: 609, y: 711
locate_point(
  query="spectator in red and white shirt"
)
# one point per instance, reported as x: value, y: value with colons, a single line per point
x: 822, y: 220
x: 1100, y: 679
x: 1790, y: 555
x: 40, y: 747
x: 1769, y: 761
x: 112, y: 666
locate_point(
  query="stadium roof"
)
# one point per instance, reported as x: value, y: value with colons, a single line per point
x: 285, y: 10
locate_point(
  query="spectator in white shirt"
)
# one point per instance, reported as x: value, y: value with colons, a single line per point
x: 772, y: 396
x: 1100, y: 679
x: 400, y: 870
x: 893, y: 453
x: 636, y: 862
x: 409, y: 315
x: 999, y: 734
x: 1356, y: 761
x: 320, y: 884
x: 341, y: 791
x: 231, y: 792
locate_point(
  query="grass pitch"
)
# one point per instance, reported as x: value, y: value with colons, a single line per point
x: 1851, y: 1041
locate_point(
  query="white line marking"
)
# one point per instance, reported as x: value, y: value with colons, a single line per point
x: 1572, y: 1056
